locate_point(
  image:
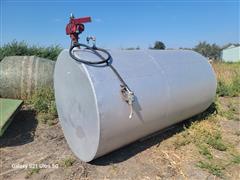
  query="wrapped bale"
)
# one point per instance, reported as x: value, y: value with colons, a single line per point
x: 21, y: 75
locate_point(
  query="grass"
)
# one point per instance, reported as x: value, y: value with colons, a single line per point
x: 202, y: 134
x: 31, y: 172
x: 199, y: 128
x: 43, y: 102
x: 204, y: 150
x: 47, y: 118
x: 228, y: 76
x: 15, y: 48
x: 205, y: 133
x: 232, y: 89
x: 236, y: 159
x: 68, y: 162
x: 211, y: 168
x: 217, y: 143
x: 230, y: 111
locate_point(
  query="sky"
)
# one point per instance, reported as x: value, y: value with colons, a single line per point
x: 122, y: 24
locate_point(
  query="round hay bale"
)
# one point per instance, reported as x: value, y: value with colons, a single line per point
x: 20, y: 76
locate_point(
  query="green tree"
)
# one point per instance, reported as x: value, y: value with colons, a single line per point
x: 211, y: 51
x: 202, y: 48
x: 158, y: 45
x: 215, y: 52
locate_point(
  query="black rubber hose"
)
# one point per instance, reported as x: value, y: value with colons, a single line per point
x: 95, y: 50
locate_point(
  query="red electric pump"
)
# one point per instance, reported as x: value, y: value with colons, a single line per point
x: 76, y: 27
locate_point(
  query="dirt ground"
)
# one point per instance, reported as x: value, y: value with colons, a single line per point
x: 27, y: 142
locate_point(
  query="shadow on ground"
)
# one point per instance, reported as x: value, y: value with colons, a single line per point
x: 132, y: 149
x: 21, y: 130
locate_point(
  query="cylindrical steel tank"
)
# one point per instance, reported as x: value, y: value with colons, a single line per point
x: 169, y: 85
x: 21, y: 75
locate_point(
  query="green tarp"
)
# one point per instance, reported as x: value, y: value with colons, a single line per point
x: 8, y: 108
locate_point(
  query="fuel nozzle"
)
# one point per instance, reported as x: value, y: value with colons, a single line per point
x: 129, y: 98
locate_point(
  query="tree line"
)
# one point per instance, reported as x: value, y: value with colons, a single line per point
x: 211, y: 51
x: 15, y: 48
x: 21, y: 48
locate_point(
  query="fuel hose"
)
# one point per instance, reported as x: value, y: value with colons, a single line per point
x: 127, y: 94
x: 95, y: 50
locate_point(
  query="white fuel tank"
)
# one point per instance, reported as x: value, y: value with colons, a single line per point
x: 169, y: 86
